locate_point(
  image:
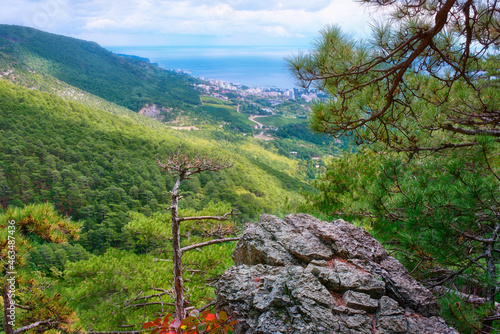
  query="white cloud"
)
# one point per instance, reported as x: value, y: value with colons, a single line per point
x: 247, y: 21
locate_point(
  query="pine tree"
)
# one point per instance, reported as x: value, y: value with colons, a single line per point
x: 28, y: 303
x: 423, y: 100
x: 183, y: 166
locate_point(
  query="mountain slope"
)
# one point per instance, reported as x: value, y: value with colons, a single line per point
x: 95, y: 161
x: 97, y: 166
x: 128, y: 82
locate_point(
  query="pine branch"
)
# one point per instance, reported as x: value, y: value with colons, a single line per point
x: 151, y: 303
x: 207, y: 243
x: 35, y: 325
x: 28, y: 308
x: 219, y: 218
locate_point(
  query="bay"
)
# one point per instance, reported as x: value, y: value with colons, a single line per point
x: 256, y: 66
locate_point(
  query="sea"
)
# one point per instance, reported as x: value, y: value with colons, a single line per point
x: 256, y: 66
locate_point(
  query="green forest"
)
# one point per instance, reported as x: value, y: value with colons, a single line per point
x: 87, y: 159
x: 406, y: 145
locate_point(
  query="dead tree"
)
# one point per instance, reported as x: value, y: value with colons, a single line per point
x: 183, y: 166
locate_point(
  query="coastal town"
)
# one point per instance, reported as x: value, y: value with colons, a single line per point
x: 275, y: 96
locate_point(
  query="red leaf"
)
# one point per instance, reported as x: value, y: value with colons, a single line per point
x: 148, y: 325
x: 157, y: 322
x: 210, y: 317
x: 166, y: 321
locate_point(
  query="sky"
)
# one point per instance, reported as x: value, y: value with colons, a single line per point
x: 188, y: 22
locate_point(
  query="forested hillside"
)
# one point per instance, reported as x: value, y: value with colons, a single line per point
x: 96, y: 166
x: 72, y: 146
x: 128, y: 82
x: 99, y: 168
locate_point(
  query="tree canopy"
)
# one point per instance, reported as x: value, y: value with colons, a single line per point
x: 414, y: 85
x: 38, y: 306
x: 422, y: 99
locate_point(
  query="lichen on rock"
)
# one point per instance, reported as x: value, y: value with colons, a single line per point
x: 303, y: 275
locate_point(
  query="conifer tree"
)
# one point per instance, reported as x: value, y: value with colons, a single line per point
x: 422, y: 97
x: 28, y: 304
x: 183, y: 167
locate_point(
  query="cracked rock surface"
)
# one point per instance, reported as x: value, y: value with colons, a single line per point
x: 303, y: 275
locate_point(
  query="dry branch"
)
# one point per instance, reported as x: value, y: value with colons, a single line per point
x: 207, y: 243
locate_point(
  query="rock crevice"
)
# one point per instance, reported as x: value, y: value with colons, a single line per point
x: 303, y: 275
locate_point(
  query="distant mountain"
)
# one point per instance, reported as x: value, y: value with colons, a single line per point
x: 146, y: 60
x: 130, y: 82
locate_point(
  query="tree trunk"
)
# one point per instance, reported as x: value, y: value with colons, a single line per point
x: 8, y: 305
x: 176, y: 243
x: 487, y: 324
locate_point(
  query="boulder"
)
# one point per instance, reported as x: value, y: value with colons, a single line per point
x: 303, y: 275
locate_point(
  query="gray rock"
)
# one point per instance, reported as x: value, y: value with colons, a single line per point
x: 406, y: 290
x: 360, y: 301
x: 393, y: 324
x: 422, y: 325
x: 389, y: 307
x: 344, y: 276
x: 274, y: 241
x: 303, y: 275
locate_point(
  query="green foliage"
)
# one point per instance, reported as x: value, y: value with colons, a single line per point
x: 52, y: 258
x: 426, y: 102
x: 36, y: 293
x: 342, y: 189
x: 97, y: 166
x: 95, y: 161
x: 301, y: 131
x: 231, y: 120
x: 463, y: 316
x: 291, y: 108
x: 124, y: 81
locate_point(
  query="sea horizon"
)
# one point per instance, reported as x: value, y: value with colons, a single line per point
x: 254, y: 66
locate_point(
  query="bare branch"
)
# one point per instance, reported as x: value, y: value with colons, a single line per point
x: 23, y: 307
x: 35, y: 325
x: 184, y: 165
x: 207, y: 243
x: 151, y: 303
x: 219, y: 218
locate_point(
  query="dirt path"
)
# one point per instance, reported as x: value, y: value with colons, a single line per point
x: 253, y: 117
x: 261, y: 135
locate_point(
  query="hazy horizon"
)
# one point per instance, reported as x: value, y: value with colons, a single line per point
x: 188, y: 23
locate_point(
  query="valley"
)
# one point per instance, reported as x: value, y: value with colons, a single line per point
x: 84, y: 139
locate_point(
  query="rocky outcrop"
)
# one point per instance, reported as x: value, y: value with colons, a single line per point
x: 153, y: 111
x: 303, y: 275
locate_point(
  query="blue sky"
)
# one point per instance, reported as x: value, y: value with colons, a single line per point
x: 184, y: 22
